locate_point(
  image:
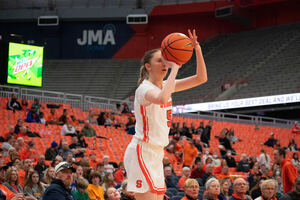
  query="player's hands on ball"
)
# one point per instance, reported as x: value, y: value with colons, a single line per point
x: 193, y: 38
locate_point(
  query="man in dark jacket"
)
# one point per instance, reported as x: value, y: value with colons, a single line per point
x: 41, y: 166
x: 205, y: 136
x: 59, y: 188
x: 13, y: 103
x: 52, y: 152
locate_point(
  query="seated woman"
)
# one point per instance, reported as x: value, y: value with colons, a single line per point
x: 268, y: 190
x: 225, y: 185
x: 12, y: 181
x: 191, y: 189
x: 33, y: 186
x: 212, y: 189
x: 49, y: 175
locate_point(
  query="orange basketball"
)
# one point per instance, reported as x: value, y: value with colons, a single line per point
x: 177, y: 47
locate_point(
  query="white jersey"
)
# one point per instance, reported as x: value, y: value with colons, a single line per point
x: 153, y: 121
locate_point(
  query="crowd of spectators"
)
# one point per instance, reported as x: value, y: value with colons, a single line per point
x: 67, y: 171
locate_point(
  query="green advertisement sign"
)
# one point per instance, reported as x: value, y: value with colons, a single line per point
x: 25, y: 64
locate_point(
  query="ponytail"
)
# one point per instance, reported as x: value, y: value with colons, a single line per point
x: 144, y: 74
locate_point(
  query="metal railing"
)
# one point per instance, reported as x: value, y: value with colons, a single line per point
x: 86, y: 102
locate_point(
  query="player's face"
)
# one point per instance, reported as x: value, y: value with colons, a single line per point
x: 157, y: 66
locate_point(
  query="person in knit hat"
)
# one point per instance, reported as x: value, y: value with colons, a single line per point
x: 52, y: 152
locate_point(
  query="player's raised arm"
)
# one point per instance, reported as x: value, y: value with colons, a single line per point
x: 201, y: 75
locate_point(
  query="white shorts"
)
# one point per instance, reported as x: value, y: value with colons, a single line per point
x: 144, y: 167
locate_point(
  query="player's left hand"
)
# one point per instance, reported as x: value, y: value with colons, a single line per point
x: 193, y: 37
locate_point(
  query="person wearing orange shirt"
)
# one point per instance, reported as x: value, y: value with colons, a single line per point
x: 94, y: 190
x: 29, y: 152
x: 119, y: 175
x: 93, y: 160
x: 288, y: 170
x: 185, y: 175
x: 27, y: 163
x: 224, y: 173
x: 190, y: 152
x: 52, y: 118
x: 170, y: 154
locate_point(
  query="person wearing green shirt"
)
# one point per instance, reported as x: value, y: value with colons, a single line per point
x: 88, y: 130
x: 81, y: 193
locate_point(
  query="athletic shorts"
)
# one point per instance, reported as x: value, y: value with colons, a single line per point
x: 144, y: 167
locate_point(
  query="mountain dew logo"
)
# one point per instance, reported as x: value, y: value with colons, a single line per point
x: 25, y: 63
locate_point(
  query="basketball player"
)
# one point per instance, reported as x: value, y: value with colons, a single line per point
x: 153, y: 109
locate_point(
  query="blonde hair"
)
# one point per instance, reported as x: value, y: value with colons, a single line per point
x: 189, y: 182
x: 265, y: 183
x: 144, y: 74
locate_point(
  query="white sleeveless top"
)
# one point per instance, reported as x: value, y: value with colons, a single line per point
x: 153, y: 121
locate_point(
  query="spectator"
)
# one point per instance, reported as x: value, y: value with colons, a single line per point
x: 13, y: 103
x: 27, y: 164
x: 20, y: 144
x: 200, y: 129
x: 170, y: 154
x: 264, y: 159
x: 120, y: 173
x: 216, y: 162
x: 12, y: 181
x: 108, y: 168
x: 230, y: 160
x: 29, y: 152
x: 41, y: 166
x: 212, y: 188
x: 268, y: 190
x: 63, y: 118
x: 77, y: 149
x: 52, y: 118
x: 208, y: 173
x: 126, y: 195
x: 192, y: 129
x: 70, y: 158
x: 198, y: 145
x: 112, y: 194
x: 240, y: 188
x: 101, y: 119
x: 191, y: 189
x: 296, y: 128
x: 81, y: 141
x: 17, y: 163
x: 94, y: 190
x: 68, y: 129
x: 271, y: 141
x: 170, y: 179
x: 295, y: 193
x: 190, y: 152
x: 126, y: 109
x: 224, y: 173
x: 33, y: 186
x: 197, y: 172
x: 19, y: 125
x: 33, y: 116
x: 43, y: 120
x: 93, y: 160
x: 224, y: 142
x: 185, y: 175
x: 218, y: 170
x: 292, y: 145
x: 185, y: 131
x: 225, y: 184
x: 243, y: 165
x: 81, y: 193
x: 64, y: 150
x: 296, y: 161
x: 91, y: 117
x: 9, y: 194
x: 88, y: 130
x: 10, y: 140
x: 52, y: 152
x: 100, y: 169
x: 108, y: 181
x: 118, y: 109
x: 49, y: 175
x: 288, y: 170
x: 59, y: 188
x: 205, y: 136
x: 24, y: 104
